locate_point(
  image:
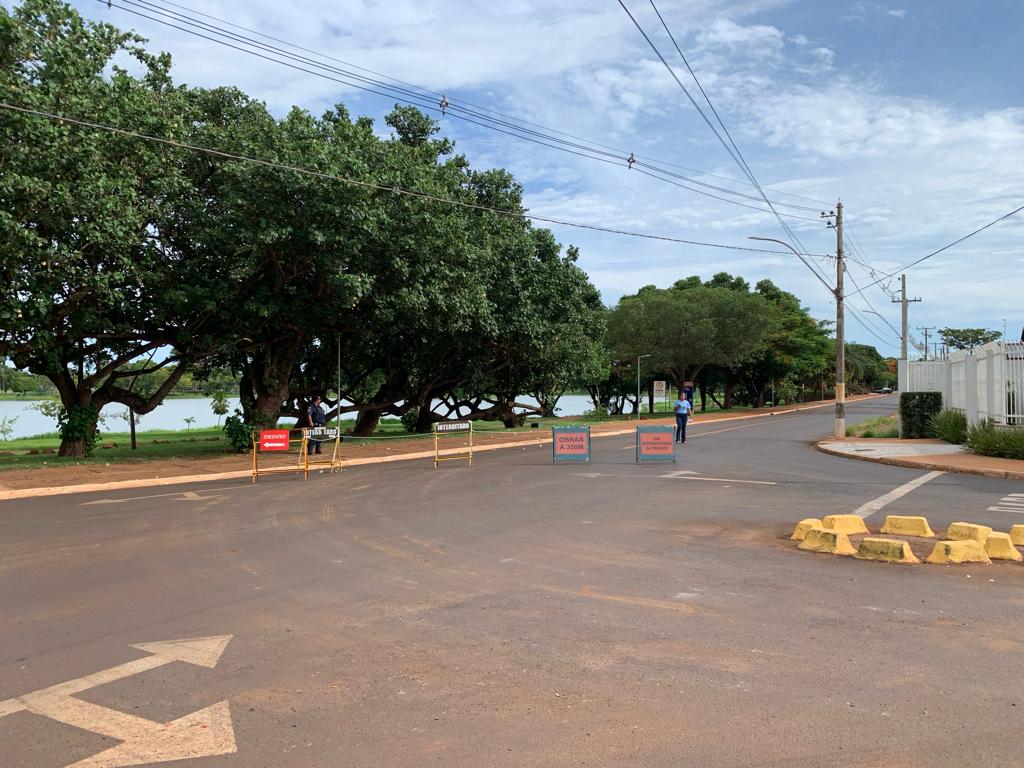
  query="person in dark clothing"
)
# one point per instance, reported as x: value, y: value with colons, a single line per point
x: 317, y: 418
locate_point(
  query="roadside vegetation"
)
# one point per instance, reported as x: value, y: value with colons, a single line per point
x: 989, y: 440
x: 879, y: 426
x: 950, y: 426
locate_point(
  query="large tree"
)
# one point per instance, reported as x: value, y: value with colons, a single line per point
x: 967, y: 338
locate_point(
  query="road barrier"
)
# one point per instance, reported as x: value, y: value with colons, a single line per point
x: 283, y: 440
x: 966, y: 551
x: 825, y: 540
x: 655, y: 443
x: 886, y: 550
x: 570, y: 444
x: 908, y: 525
x: 805, y: 525
x: 999, y: 546
x: 453, y: 428
x: 1017, y: 535
x: 968, y: 532
x: 845, y: 523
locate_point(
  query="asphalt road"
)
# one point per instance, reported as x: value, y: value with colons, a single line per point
x: 513, y: 614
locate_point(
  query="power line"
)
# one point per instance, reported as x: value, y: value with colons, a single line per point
x: 944, y: 248
x: 373, y: 185
x: 732, y: 150
x: 418, y: 97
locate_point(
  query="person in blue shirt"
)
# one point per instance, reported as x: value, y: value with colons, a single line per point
x: 683, y: 409
x: 317, y: 418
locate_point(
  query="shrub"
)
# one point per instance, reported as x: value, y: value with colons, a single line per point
x: 989, y: 440
x: 949, y: 425
x: 916, y: 411
x: 409, y: 419
x: 237, y: 432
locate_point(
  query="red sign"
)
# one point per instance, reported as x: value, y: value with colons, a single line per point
x: 274, y: 440
x: 656, y: 443
x: 571, y: 443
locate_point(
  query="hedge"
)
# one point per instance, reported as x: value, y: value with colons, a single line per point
x: 989, y: 440
x: 916, y: 412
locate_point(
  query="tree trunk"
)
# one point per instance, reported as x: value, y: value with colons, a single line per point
x: 650, y: 399
x: 366, y: 422
x: 728, y: 396
x: 702, y: 387
x: 424, y: 420
x: 131, y: 428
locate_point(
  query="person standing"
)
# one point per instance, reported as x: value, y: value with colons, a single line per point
x: 317, y: 418
x: 683, y: 409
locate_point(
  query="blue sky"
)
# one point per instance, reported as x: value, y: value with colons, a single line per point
x: 912, y: 112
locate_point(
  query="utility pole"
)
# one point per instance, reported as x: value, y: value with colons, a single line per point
x: 903, y: 300
x: 926, y: 329
x: 840, y: 430
x: 638, y: 359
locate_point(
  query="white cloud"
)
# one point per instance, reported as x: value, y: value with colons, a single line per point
x: 899, y: 13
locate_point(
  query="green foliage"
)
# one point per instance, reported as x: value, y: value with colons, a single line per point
x: 949, y: 425
x: 219, y: 406
x: 7, y: 426
x: 237, y: 433
x: 916, y: 412
x: 878, y: 427
x: 967, y: 338
x: 989, y: 440
x: 409, y: 419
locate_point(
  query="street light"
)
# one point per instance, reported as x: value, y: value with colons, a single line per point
x: 638, y: 359
x: 837, y: 292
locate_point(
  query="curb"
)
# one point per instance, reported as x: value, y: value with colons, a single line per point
x: 895, y: 461
x: 61, y: 490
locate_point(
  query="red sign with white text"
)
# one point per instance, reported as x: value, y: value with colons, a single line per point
x: 572, y: 443
x: 274, y: 440
x: 656, y: 443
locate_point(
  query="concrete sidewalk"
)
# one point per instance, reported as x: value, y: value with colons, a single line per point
x: 924, y: 454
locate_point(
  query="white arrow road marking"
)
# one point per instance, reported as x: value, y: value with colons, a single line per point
x: 1013, y: 502
x: 183, y: 494
x: 204, y: 733
x: 873, y: 506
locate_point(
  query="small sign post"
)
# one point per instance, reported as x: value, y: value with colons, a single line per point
x: 660, y: 391
x: 655, y: 443
x: 452, y: 427
x: 570, y: 444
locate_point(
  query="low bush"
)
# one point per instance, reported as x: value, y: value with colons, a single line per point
x: 916, y: 412
x: 950, y: 426
x: 238, y: 433
x: 989, y: 440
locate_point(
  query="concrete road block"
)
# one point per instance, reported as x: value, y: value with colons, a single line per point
x: 966, y: 551
x: 1017, y: 535
x: 886, y: 550
x: 845, y: 523
x: 826, y: 540
x: 804, y: 526
x: 968, y: 531
x: 998, y: 546
x: 907, y: 525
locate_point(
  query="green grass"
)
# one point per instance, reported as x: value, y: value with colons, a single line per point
x: 879, y: 426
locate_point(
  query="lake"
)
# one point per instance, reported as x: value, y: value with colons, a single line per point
x: 173, y: 412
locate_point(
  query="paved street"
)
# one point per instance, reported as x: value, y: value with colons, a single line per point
x: 512, y: 614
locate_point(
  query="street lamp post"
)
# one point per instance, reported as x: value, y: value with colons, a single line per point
x: 837, y: 292
x: 638, y: 359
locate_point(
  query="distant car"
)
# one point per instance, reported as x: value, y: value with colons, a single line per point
x: 885, y: 391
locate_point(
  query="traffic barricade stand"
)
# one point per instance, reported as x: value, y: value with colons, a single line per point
x: 655, y: 443
x: 321, y: 435
x: 287, y: 441
x: 570, y: 444
x: 450, y: 428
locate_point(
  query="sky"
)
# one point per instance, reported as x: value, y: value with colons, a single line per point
x: 911, y: 113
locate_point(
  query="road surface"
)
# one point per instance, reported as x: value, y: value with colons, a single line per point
x: 512, y: 614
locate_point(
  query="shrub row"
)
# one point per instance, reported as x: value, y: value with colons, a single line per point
x: 989, y: 440
x: 916, y: 412
x: 950, y: 426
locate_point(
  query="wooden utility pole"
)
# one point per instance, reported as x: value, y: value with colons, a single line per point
x: 840, y: 427
x: 926, y: 329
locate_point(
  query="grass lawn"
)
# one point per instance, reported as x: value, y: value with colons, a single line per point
x: 880, y: 426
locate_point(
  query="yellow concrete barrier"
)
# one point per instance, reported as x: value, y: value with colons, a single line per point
x: 998, y: 546
x: 966, y: 551
x: 1017, y: 535
x: 804, y: 526
x: 826, y: 540
x: 968, y: 531
x: 907, y: 525
x: 845, y: 523
x: 887, y: 550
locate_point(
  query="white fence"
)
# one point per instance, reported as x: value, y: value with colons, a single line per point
x: 983, y: 383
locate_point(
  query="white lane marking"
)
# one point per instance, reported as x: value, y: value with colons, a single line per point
x: 203, y: 733
x: 184, y: 496
x: 867, y: 510
x: 682, y: 474
x: 1012, y: 502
